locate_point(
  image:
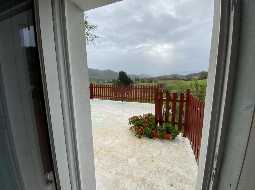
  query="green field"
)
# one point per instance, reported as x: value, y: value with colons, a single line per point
x: 197, y: 87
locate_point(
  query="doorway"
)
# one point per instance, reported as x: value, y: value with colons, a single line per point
x: 26, y: 158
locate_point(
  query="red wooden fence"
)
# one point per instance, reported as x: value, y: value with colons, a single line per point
x: 136, y: 93
x: 184, y: 111
x: 194, y: 123
x: 170, y: 107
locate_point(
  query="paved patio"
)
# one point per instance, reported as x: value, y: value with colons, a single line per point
x: 124, y: 162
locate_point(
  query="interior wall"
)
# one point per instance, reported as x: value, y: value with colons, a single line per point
x: 9, y: 172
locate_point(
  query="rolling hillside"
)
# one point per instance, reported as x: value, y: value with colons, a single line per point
x: 107, y: 75
x: 96, y: 74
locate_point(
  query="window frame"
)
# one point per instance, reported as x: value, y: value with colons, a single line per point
x: 55, y: 57
x: 223, y: 60
x: 66, y: 104
x: 52, y: 81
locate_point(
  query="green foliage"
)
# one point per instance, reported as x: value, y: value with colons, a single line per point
x: 161, y: 132
x: 170, y: 128
x: 148, y: 132
x: 197, y: 86
x: 149, y: 121
x: 89, y: 31
x: 124, y: 79
x: 199, y: 89
x: 138, y: 125
x: 144, y: 81
x: 203, y: 75
x: 177, y: 85
x: 145, y: 126
x: 136, y: 121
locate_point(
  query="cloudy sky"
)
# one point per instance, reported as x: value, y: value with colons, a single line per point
x: 152, y: 37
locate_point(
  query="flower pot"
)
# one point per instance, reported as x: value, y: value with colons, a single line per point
x: 155, y: 134
x: 168, y: 136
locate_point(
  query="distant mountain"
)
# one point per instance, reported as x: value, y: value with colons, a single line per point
x: 96, y: 74
x: 199, y: 75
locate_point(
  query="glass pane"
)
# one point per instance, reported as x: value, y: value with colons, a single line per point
x: 25, y: 157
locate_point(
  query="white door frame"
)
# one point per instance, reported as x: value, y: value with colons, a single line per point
x: 66, y: 87
x: 64, y: 58
x: 223, y: 60
x: 52, y: 89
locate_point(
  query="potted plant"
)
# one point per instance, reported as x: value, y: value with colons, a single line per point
x: 155, y: 133
x: 144, y: 125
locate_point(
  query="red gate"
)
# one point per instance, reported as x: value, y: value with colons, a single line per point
x: 185, y: 111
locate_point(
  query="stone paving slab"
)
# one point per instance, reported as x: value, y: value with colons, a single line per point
x: 124, y: 162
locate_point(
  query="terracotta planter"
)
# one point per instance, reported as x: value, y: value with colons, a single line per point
x: 168, y: 136
x: 155, y: 134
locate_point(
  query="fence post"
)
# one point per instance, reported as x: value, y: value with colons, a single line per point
x: 167, y: 106
x: 186, y: 120
x: 122, y: 93
x: 180, y: 119
x: 91, y: 91
x: 174, y: 98
x: 158, y: 105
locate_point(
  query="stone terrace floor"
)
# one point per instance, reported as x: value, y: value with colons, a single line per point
x: 124, y: 162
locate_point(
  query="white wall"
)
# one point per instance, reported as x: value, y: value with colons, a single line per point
x: 80, y: 92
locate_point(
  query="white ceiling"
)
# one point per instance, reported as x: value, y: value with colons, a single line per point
x: 91, y: 4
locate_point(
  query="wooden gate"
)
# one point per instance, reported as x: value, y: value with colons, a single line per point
x: 183, y: 110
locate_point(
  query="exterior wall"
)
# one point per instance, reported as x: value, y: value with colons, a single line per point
x: 80, y: 92
x: 238, y: 167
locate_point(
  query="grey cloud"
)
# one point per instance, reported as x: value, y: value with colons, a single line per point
x: 152, y: 37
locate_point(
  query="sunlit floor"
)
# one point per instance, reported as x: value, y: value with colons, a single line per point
x: 124, y: 162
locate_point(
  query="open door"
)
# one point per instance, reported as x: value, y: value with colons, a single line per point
x: 26, y: 158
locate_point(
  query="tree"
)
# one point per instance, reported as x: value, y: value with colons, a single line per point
x: 89, y: 31
x: 203, y: 75
x: 124, y: 79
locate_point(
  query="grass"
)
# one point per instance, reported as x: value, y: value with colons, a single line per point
x: 181, y: 85
x: 197, y: 87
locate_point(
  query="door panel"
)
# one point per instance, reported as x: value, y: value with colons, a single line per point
x: 26, y: 137
x: 8, y: 170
